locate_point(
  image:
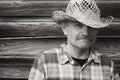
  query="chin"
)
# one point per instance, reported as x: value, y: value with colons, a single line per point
x: 84, y: 45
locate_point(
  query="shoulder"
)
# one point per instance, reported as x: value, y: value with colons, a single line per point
x: 49, y: 55
x: 104, y: 59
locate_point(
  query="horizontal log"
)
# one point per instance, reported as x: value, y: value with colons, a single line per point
x: 19, y: 68
x: 16, y: 56
x: 26, y: 48
x: 29, y: 48
x: 29, y: 29
x: 46, y: 7
x: 44, y: 27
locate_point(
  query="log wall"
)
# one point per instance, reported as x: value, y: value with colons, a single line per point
x: 27, y: 29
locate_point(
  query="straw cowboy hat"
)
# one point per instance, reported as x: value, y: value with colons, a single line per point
x: 84, y: 11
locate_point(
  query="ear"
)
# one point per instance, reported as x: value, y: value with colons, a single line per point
x: 65, y: 28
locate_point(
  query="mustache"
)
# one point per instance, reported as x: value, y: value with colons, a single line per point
x: 87, y: 37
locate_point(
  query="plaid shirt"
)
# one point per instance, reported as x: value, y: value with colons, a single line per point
x: 57, y: 64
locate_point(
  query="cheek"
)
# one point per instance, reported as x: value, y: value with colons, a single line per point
x: 73, y: 34
x: 72, y: 37
x: 93, y: 34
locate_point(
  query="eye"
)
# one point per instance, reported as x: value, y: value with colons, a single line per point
x: 78, y: 25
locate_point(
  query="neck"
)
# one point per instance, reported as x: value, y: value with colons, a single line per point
x: 78, y: 53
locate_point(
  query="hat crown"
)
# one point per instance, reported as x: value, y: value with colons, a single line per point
x: 86, y: 9
x: 83, y: 11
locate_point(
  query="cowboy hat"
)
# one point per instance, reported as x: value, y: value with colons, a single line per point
x: 84, y: 11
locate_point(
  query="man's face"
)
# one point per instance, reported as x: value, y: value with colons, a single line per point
x: 79, y: 35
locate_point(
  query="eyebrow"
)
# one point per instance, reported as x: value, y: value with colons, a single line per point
x: 79, y: 23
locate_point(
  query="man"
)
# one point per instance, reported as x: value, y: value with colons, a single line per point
x: 76, y: 60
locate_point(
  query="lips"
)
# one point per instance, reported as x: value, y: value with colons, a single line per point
x: 84, y: 38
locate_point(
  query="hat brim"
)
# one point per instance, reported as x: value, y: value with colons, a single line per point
x: 60, y: 16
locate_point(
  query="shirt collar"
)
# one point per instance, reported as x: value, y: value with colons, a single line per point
x: 95, y: 56
x: 65, y: 56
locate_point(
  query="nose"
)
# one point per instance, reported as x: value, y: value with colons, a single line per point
x: 85, y: 31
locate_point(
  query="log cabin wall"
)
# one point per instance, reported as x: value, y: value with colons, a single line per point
x: 27, y: 29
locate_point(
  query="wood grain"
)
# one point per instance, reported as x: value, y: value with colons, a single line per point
x: 15, y: 68
x: 29, y: 48
x: 26, y: 30
x: 44, y: 27
x: 46, y: 7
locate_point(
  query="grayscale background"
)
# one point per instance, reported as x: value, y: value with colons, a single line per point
x: 27, y: 29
